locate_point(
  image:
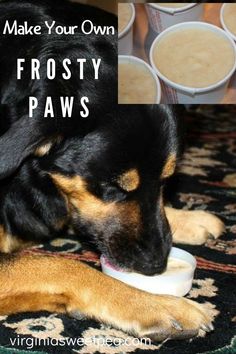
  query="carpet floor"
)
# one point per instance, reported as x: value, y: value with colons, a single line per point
x: 206, y: 180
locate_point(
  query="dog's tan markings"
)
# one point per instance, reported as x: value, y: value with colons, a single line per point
x: 46, y: 146
x: 3, y: 240
x: 27, y: 302
x: 32, y: 283
x: 92, y: 208
x: 43, y: 149
x: 193, y: 227
x: 10, y: 243
x: 89, y: 206
x: 129, y: 180
x: 169, y: 167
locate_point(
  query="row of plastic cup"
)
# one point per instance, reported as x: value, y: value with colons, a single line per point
x: 166, y: 21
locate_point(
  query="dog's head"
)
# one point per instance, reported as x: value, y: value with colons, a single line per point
x: 112, y: 179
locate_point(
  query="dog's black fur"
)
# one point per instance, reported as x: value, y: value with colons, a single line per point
x: 20, y: 135
x: 98, y: 149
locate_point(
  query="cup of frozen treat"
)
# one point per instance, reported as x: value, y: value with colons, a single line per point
x: 164, y: 15
x: 137, y: 82
x: 126, y: 17
x: 228, y: 19
x: 195, y: 61
x: 176, y: 280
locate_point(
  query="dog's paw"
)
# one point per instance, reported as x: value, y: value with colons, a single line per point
x: 157, y: 317
x: 194, y: 227
x: 174, y: 318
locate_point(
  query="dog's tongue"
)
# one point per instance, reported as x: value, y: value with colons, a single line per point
x: 110, y: 265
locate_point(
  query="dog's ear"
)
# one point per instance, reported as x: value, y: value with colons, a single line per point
x: 28, y: 136
x: 21, y: 139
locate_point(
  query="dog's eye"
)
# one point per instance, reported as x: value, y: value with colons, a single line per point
x: 112, y: 193
x: 109, y: 192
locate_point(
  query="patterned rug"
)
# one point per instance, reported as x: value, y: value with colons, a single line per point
x: 207, y: 181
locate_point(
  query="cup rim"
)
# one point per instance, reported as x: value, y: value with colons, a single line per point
x: 130, y: 23
x: 188, y: 89
x: 172, y: 10
x: 223, y: 22
x: 150, y: 69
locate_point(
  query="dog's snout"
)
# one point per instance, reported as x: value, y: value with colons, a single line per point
x: 151, y: 262
x: 147, y: 257
x: 152, y: 269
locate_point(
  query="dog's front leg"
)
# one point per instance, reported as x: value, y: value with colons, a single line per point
x: 32, y: 283
x: 193, y: 227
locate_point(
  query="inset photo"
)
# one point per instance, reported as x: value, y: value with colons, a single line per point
x: 176, y: 53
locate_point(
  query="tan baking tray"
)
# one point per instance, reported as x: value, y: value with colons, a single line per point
x: 211, y: 15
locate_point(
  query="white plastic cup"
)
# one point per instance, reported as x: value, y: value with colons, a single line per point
x: 160, y: 17
x: 125, y: 37
x: 176, y: 93
x: 223, y: 21
x: 139, y: 62
x: 177, y: 283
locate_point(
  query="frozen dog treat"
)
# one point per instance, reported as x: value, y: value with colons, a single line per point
x: 176, y: 280
x: 195, y: 61
x: 228, y: 19
x: 124, y: 16
x: 177, y: 265
x: 137, y: 83
x: 194, y: 57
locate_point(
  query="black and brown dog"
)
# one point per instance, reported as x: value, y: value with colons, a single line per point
x: 101, y: 177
